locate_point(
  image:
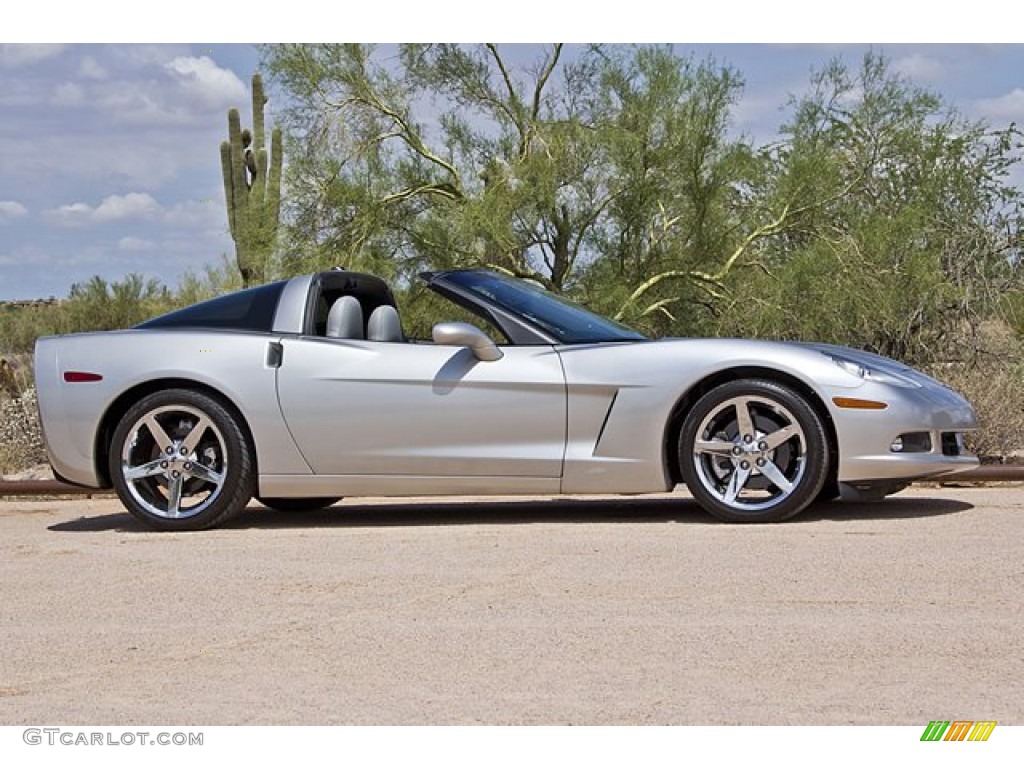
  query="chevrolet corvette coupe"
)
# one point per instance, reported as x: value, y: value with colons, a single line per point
x: 304, y: 391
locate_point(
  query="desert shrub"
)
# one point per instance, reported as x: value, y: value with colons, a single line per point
x: 214, y: 280
x: 97, y: 305
x: 995, y: 387
x: 21, y: 438
x: 20, y: 326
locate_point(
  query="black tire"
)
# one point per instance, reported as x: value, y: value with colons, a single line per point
x: 180, y: 461
x: 754, y: 450
x: 299, y: 505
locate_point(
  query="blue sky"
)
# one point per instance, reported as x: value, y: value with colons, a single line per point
x: 109, y: 158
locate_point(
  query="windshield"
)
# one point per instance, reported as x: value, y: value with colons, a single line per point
x: 569, y: 323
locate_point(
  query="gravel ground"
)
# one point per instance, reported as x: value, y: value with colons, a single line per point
x: 578, y: 611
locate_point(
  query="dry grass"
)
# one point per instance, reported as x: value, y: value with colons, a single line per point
x: 996, y: 389
x: 21, y: 438
x: 993, y: 380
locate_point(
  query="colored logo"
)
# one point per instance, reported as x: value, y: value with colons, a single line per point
x: 958, y: 730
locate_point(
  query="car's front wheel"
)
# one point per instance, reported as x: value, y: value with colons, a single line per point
x: 180, y: 461
x: 753, y: 451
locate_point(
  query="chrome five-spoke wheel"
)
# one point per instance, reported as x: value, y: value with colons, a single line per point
x: 179, y: 461
x: 753, y: 451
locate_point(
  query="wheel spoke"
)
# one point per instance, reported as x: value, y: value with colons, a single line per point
x: 773, y: 473
x: 174, y: 488
x: 157, y: 431
x: 716, y: 447
x: 149, y: 469
x: 736, y: 483
x: 202, y: 472
x: 779, y: 436
x: 192, y: 439
x: 744, y: 421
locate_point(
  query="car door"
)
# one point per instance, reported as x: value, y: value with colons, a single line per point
x: 389, y: 408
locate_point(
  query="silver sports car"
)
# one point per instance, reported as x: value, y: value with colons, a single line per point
x: 306, y: 390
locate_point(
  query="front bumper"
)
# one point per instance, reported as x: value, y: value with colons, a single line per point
x: 868, y: 439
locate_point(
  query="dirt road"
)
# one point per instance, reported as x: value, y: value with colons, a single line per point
x: 583, y: 611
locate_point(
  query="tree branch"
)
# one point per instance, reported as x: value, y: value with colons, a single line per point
x: 542, y: 81
x: 443, y: 190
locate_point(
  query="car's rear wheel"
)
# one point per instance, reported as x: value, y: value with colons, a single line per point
x: 299, y: 505
x: 753, y: 451
x: 180, y: 461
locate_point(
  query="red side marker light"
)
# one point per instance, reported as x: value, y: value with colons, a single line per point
x: 73, y: 377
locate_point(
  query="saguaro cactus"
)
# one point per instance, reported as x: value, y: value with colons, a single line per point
x: 252, y: 188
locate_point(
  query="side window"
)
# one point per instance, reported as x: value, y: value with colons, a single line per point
x: 326, y: 300
x: 320, y: 315
x: 249, y: 310
x: 422, y: 309
x: 370, y: 292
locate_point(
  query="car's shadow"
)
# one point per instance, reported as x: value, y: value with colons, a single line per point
x: 527, y: 511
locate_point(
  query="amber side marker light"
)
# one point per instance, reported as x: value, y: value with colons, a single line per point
x: 74, y: 377
x: 864, y: 405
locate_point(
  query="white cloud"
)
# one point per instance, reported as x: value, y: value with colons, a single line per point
x: 71, y: 215
x: 134, y: 205
x: 920, y: 68
x: 12, y: 209
x: 68, y: 95
x: 113, y: 118
x: 206, y: 83
x: 180, y: 91
x: 14, y: 55
x: 91, y: 69
x: 136, y: 86
x: 1009, y: 106
x: 201, y: 218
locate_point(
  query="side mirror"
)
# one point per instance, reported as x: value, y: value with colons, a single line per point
x: 466, y: 335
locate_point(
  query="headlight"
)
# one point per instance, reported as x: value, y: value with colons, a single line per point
x: 850, y: 367
x: 873, y: 374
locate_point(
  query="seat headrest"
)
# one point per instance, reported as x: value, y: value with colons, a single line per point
x: 384, y: 325
x: 345, y: 320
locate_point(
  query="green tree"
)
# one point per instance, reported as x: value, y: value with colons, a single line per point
x: 678, y: 211
x: 498, y: 175
x: 906, y: 227
x: 587, y: 173
x: 880, y: 218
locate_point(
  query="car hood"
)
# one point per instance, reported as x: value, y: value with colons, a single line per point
x: 808, y: 360
x: 872, y: 362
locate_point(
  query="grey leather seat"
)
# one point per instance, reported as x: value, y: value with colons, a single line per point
x: 345, y: 320
x: 384, y: 325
